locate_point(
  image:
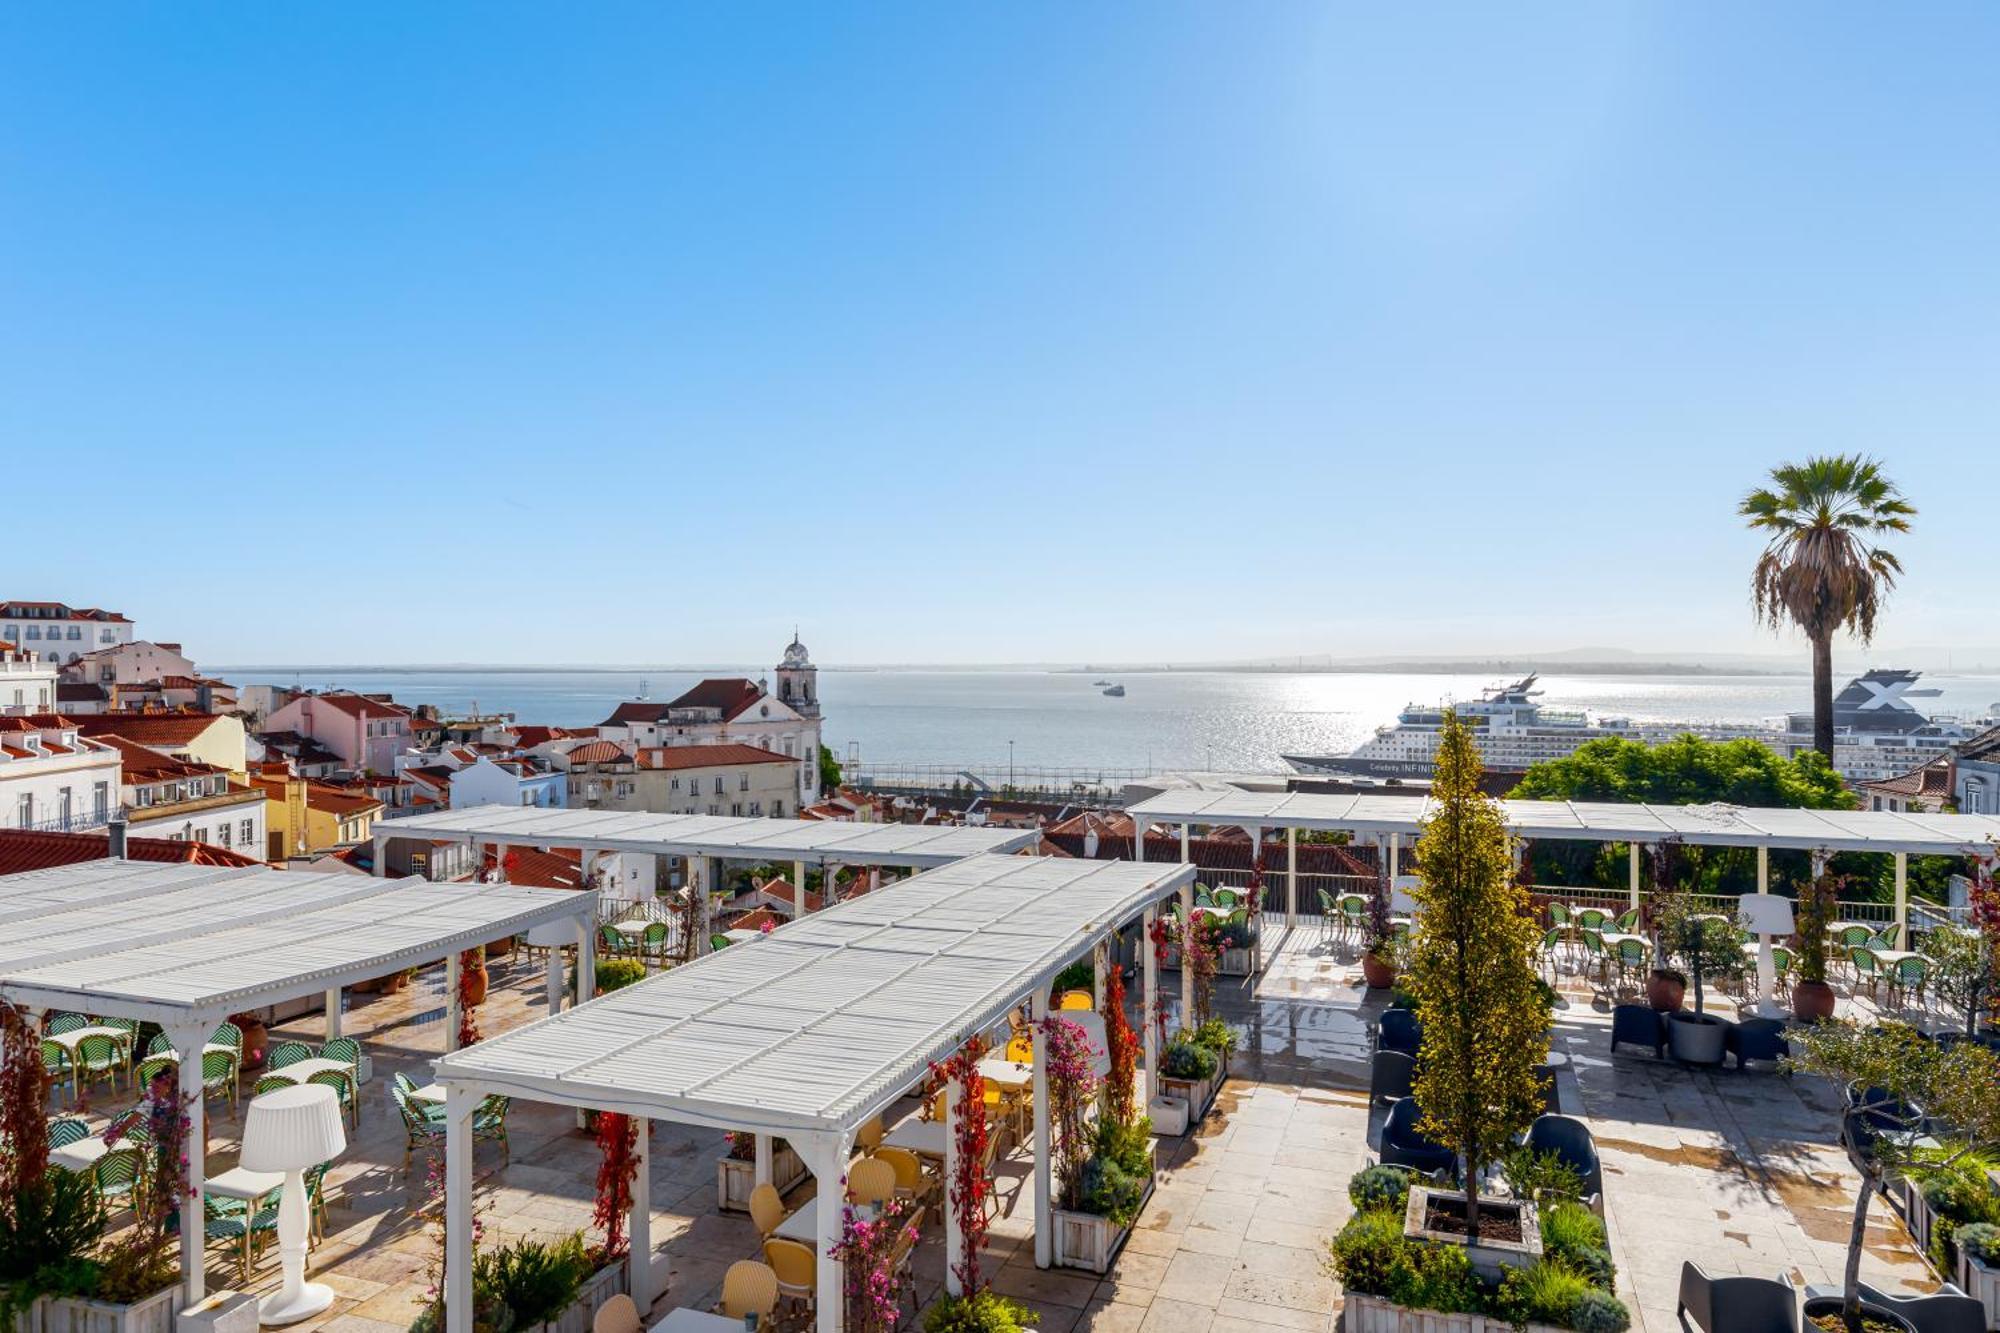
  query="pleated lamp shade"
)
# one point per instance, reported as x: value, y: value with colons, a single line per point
x: 292, y: 1129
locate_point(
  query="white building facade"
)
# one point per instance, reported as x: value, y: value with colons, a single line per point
x: 60, y: 631
x: 27, y: 682
x: 52, y: 778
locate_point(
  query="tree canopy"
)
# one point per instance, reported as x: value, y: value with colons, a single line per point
x: 1687, y: 771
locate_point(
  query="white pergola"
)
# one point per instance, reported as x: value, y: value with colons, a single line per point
x: 187, y: 946
x: 1389, y: 819
x: 814, y: 1030
x: 708, y: 839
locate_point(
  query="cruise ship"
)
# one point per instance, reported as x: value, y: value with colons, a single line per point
x: 1877, y: 732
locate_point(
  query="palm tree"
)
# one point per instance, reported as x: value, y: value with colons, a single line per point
x: 1820, y: 570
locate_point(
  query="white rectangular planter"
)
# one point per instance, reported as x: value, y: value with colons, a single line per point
x: 1372, y: 1314
x: 1235, y: 963
x: 1090, y: 1242
x: 734, y: 1179
x: 1199, y: 1096
x: 598, y: 1288
x: 1982, y: 1284
x: 1917, y: 1214
x: 65, y: 1314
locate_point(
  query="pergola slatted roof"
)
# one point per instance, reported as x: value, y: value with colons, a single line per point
x: 168, y: 942
x: 914, y: 845
x: 823, y: 1022
x: 1592, y: 821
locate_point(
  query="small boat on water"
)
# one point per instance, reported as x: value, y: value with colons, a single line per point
x: 1100, y: 683
x: 1116, y: 692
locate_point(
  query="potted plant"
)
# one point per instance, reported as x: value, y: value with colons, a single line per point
x: 1707, y: 947
x: 256, y: 1038
x: 1190, y: 1071
x: 1484, y: 1014
x: 1379, y: 944
x: 472, y: 978
x: 1812, y: 998
x: 1666, y: 988
x: 736, y: 1171
x: 1979, y: 1266
x: 1892, y: 1070
x: 982, y: 1311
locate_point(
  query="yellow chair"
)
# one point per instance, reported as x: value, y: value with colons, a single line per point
x: 869, y: 1135
x: 767, y: 1209
x: 912, y: 1182
x: 871, y: 1180
x: 1021, y: 1050
x: 795, y: 1267
x: 748, y: 1288
x: 617, y: 1315
x: 1077, y: 999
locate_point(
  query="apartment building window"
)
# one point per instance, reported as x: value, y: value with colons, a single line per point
x: 624, y: 789
x: 75, y: 633
x: 736, y: 809
x: 715, y: 809
x: 249, y: 832
x: 222, y: 834
x: 756, y: 809
x: 100, y: 801
x: 743, y: 782
x: 718, y: 784
x: 63, y: 810
x: 34, y: 631
x: 25, y: 811
x: 20, y: 698
x: 105, y: 636
x: 674, y: 785
x: 777, y: 809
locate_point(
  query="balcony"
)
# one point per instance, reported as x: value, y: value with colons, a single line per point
x: 66, y: 824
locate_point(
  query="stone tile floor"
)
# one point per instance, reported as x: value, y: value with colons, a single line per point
x: 1737, y: 1172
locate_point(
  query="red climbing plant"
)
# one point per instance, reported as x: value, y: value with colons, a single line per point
x: 1122, y: 1045
x: 24, y: 1092
x: 1162, y: 936
x: 618, y: 1141
x: 469, y: 993
x: 970, y: 1185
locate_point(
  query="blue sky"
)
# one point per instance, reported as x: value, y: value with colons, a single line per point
x: 635, y: 333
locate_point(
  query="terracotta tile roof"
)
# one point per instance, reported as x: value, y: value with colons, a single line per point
x: 23, y: 850
x: 596, y: 752
x: 707, y: 756
x: 730, y: 694
x: 142, y: 763
x: 754, y: 920
x: 1932, y: 782
x: 334, y: 801
x: 529, y: 737
x: 149, y: 728
x: 557, y: 868
x: 780, y: 890
x: 359, y: 705
x: 636, y: 710
x: 1983, y: 748
x: 80, y: 692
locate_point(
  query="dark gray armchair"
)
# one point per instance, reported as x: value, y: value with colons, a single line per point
x: 1389, y: 1076
x: 1946, y: 1310
x: 1403, y: 1146
x: 1736, y: 1304
x: 1570, y: 1139
x: 1758, y: 1039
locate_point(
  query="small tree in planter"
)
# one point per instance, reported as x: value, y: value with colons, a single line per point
x: 1703, y: 944
x: 1812, y: 998
x: 1472, y: 973
x: 141, y: 1262
x: 1666, y: 900
x: 1900, y: 1083
x: 1201, y: 953
x: 1379, y: 952
x: 1072, y: 1084
x: 1965, y: 965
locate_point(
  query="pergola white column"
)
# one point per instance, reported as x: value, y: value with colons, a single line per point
x: 1763, y: 874
x: 828, y: 1167
x: 711, y: 876
x: 1149, y: 971
x: 332, y: 1013
x: 586, y: 959
x: 761, y: 1155
x: 188, y: 1039
x: 954, y: 1235
x: 799, y: 889
x: 458, y: 1105
x: 1291, y: 877
x: 1187, y: 843
x: 1138, y: 839
x: 1038, y: 1009
x: 639, y: 1225
x: 499, y: 863
x: 1632, y: 872
x: 1395, y: 861
x: 1902, y: 900
x: 1097, y: 964
x: 451, y: 1015
x: 1256, y: 832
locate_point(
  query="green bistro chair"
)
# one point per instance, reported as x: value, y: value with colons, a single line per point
x: 288, y: 1053
x: 1354, y: 912
x: 1558, y: 915
x: 717, y: 943
x: 67, y: 1129
x: 489, y: 1121
x: 63, y: 1023
x: 1908, y: 977
x: 115, y: 1175
x: 402, y: 1081
x: 227, y: 1034
x: 1867, y: 967
x: 231, y: 1221
x: 1851, y: 938
x: 1632, y: 959
x: 271, y: 1083
x: 343, y: 1088
x: 610, y: 942
x: 1590, y: 918
x: 1627, y: 922
x: 99, y: 1057
x: 423, y: 1127
x: 59, y: 1067
x: 1594, y: 955
x: 1202, y: 896
x: 218, y: 1076
x: 161, y: 1044
x: 1888, y: 937
x: 653, y: 944
x: 153, y: 1066
x: 315, y: 1180
x: 1781, y: 961
x: 1552, y: 944
x: 1226, y: 899
x: 344, y: 1049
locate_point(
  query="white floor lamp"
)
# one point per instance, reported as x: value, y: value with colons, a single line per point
x: 1770, y: 917
x: 290, y: 1131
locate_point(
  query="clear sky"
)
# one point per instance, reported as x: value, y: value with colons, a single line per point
x: 636, y: 333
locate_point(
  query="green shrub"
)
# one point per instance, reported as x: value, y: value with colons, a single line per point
x: 1234, y: 935
x: 1441, y: 1278
x: 1080, y: 975
x: 1105, y: 1188
x: 46, y: 1239
x: 1380, y: 1187
x: 618, y: 973
x: 1126, y: 1145
x: 1573, y: 1236
x: 1215, y: 1034
x: 1981, y: 1240
x: 1543, y: 1177
x: 534, y: 1280
x: 982, y: 1312
x: 1544, y: 1292
x: 1370, y: 1254
x: 1960, y: 1193
x: 1185, y: 1059
x: 1600, y: 1312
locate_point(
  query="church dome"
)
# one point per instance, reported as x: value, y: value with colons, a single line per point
x: 795, y: 655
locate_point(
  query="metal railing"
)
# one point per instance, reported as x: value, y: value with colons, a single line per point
x: 1083, y: 786
x: 65, y: 824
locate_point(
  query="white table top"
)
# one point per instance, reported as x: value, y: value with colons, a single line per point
x: 249, y: 1186
x: 79, y: 1156
x: 68, y: 1040
x: 300, y: 1071
x: 208, y: 1048
x: 632, y: 928
x: 1004, y: 1073
x: 430, y: 1092
x: 802, y: 1226
x: 926, y: 1138
x: 685, y: 1320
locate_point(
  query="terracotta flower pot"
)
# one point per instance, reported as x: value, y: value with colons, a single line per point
x: 256, y: 1039
x: 1665, y: 990
x: 1812, y: 1001
x: 1379, y: 974
x: 475, y: 986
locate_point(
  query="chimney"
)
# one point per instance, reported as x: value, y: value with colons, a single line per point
x: 116, y: 830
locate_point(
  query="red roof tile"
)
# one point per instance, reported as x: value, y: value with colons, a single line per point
x: 148, y: 728
x: 707, y: 756
x: 23, y: 850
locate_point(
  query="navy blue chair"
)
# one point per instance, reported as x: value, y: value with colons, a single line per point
x: 1389, y: 1077
x: 1570, y: 1139
x: 1757, y: 1039
x: 1403, y: 1146
x: 1639, y: 1025
x: 1399, y: 1031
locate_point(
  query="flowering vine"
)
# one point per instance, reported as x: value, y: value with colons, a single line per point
x: 138, y: 1263
x: 1071, y: 1065
x: 24, y: 1091
x: 1255, y: 890
x: 1984, y: 899
x: 470, y: 961
x: 618, y: 1142
x: 870, y: 1278
x: 1201, y: 951
x: 970, y: 1185
x: 1122, y: 1045
x: 1162, y: 934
